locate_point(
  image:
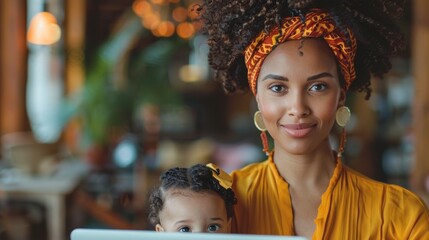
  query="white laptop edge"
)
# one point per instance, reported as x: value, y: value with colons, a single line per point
x: 111, y: 234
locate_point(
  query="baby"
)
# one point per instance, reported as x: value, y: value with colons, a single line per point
x: 195, y: 199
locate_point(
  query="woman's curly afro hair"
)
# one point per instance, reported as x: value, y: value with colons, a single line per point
x: 232, y: 25
x: 198, y: 178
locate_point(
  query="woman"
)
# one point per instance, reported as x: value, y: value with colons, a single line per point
x: 300, y: 58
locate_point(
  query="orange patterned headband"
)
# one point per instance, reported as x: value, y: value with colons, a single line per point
x: 317, y: 24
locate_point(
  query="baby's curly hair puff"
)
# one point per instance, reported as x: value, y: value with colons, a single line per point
x: 232, y: 25
x: 198, y: 178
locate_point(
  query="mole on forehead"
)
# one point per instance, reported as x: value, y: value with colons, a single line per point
x: 301, y: 45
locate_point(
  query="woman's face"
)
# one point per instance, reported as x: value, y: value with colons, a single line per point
x: 298, y: 94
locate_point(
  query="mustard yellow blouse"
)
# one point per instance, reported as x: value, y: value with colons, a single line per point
x: 353, y: 206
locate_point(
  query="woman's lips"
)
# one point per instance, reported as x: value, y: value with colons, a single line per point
x: 299, y: 130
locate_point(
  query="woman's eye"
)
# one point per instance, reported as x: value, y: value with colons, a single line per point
x: 318, y: 87
x: 213, y: 228
x: 277, y: 88
x: 184, y: 229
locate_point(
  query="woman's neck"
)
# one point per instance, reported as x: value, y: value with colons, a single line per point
x: 309, y: 170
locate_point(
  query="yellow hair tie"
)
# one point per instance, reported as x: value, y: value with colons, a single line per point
x: 225, y: 180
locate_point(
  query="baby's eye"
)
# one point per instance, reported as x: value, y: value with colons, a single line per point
x: 213, y: 228
x: 318, y: 87
x: 184, y: 229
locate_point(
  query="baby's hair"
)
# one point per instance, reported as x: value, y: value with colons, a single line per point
x: 198, y: 178
x: 232, y: 25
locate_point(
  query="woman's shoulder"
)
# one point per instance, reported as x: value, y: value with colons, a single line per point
x: 390, y: 194
x: 251, y: 170
x: 250, y: 175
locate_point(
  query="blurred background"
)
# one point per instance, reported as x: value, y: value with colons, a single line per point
x: 98, y: 97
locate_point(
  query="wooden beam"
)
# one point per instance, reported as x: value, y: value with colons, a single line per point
x: 74, y: 34
x: 74, y: 38
x: 13, y: 66
x: 419, y: 178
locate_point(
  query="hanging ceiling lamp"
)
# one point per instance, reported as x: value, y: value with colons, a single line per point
x: 43, y: 29
x: 164, y: 18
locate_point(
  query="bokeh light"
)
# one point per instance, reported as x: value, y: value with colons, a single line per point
x: 164, y: 18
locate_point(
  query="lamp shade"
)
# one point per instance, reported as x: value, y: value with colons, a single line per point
x: 43, y: 29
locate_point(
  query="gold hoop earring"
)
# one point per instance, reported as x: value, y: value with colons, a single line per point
x: 342, y: 116
x: 259, y: 122
x: 260, y: 125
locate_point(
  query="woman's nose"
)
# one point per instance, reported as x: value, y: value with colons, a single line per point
x: 297, y: 105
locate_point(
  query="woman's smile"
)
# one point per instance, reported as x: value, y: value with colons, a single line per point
x: 299, y: 130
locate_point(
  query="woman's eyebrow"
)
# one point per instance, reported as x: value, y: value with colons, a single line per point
x: 275, y: 77
x: 282, y: 78
x: 320, y: 75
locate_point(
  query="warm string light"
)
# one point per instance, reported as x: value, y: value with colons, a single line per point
x: 43, y: 29
x: 164, y: 18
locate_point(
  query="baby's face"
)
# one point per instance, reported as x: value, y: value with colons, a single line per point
x: 188, y: 211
